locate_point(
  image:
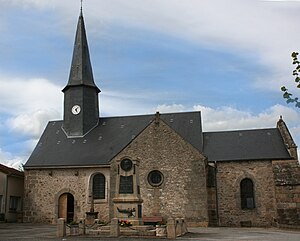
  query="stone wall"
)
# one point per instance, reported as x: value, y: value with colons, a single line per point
x: 229, y: 176
x: 183, y: 192
x: 287, y: 181
x: 43, y: 188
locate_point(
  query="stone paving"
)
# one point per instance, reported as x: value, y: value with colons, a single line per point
x: 40, y: 232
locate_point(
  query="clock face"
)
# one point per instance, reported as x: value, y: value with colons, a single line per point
x: 76, y: 109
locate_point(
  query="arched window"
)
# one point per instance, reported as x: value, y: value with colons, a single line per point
x: 247, y: 194
x: 99, y: 186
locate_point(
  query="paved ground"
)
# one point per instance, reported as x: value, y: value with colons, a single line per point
x: 38, y: 232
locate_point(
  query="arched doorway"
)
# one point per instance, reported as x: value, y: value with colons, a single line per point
x: 66, y: 207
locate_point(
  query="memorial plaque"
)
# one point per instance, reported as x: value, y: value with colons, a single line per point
x: 126, y: 185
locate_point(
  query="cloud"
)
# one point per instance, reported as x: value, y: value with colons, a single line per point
x: 8, y: 159
x: 32, y: 3
x: 26, y: 95
x: 26, y: 106
x: 170, y: 108
x: 32, y: 124
x: 113, y: 103
x: 229, y: 118
x: 280, y: 0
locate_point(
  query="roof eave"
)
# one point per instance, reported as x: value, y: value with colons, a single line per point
x: 256, y: 159
x: 66, y: 167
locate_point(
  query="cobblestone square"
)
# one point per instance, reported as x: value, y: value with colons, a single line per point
x: 40, y: 232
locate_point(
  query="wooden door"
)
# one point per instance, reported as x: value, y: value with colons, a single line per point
x: 63, y: 206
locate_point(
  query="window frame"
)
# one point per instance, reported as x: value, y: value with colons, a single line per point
x: 126, y: 165
x: 150, y: 181
x: 14, y: 204
x: 102, y: 196
x: 247, y: 194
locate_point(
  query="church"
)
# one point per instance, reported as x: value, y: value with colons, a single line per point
x: 156, y: 166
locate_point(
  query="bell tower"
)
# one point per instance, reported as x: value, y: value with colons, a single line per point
x: 81, y: 107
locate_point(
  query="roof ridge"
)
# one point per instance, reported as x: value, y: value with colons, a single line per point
x: 243, y: 130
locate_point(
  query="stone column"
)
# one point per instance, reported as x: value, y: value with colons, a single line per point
x: 184, y: 227
x: 178, y: 227
x: 61, y: 227
x: 171, y: 231
x: 114, y: 228
x: 82, y: 227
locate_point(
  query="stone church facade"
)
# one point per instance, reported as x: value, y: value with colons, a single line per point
x: 160, y: 165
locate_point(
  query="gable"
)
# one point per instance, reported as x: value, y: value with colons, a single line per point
x: 159, y: 142
x: 181, y: 167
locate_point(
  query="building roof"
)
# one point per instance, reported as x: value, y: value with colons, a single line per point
x: 113, y: 134
x: 104, y: 142
x: 11, y: 171
x: 258, y: 144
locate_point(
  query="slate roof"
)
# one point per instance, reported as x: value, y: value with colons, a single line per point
x: 258, y: 144
x: 105, y: 141
x: 113, y: 134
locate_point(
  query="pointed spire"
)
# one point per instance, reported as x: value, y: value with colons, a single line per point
x: 81, y: 8
x: 81, y: 72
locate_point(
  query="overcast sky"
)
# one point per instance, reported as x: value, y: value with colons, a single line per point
x: 227, y: 59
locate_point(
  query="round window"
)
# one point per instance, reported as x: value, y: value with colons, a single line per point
x: 155, y: 178
x: 126, y: 165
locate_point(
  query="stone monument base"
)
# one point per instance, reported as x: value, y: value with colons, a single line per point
x: 90, y: 217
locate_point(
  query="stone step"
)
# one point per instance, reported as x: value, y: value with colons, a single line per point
x: 124, y: 231
x: 137, y: 232
x: 142, y: 227
x: 103, y: 227
x: 98, y: 232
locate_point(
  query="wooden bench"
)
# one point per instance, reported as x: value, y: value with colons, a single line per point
x: 152, y: 220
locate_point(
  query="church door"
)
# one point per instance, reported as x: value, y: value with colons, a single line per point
x: 66, y: 207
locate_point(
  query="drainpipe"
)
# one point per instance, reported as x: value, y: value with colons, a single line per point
x: 217, y: 198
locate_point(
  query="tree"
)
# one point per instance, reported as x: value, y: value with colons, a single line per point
x: 296, y: 73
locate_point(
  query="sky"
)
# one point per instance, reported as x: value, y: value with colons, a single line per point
x: 227, y: 59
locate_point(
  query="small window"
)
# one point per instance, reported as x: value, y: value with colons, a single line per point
x: 14, y: 203
x: 155, y: 178
x: 99, y: 186
x: 247, y: 194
